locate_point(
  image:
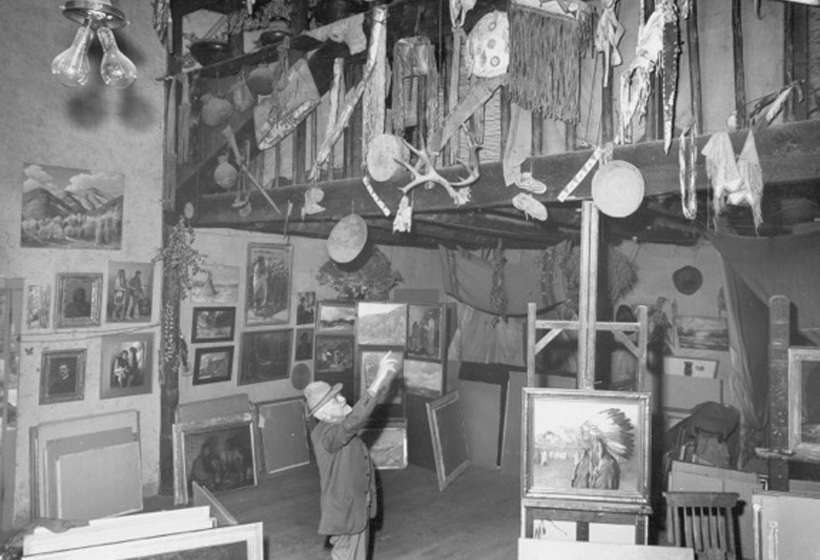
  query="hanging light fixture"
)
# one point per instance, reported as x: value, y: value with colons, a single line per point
x: 72, y: 66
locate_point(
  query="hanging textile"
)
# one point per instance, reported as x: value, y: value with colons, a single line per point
x: 484, y: 338
x: 414, y: 57
x: 608, y: 34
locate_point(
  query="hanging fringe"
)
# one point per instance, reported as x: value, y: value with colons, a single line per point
x: 545, y: 50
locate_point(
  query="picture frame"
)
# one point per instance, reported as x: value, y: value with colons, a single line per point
x: 127, y: 365
x: 334, y: 317
x: 690, y: 367
x: 284, y: 435
x: 219, y: 454
x: 450, y: 453
x: 213, y: 324
x: 424, y: 378
x: 425, y: 331
x: 387, y: 444
x: 265, y: 356
x: 38, y: 306
x: 367, y: 365
x: 62, y: 376
x: 306, y: 308
x: 79, y: 300
x: 130, y: 291
x: 585, y: 445
x: 334, y: 362
x: 213, y: 364
x: 268, y: 284
x: 702, y: 333
x: 215, y: 284
x: 381, y: 323
x: 804, y: 402
x: 303, y: 345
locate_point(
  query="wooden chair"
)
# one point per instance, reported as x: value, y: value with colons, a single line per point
x: 703, y: 521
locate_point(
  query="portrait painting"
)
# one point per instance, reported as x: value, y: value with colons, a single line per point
x: 381, y: 323
x: 333, y: 363
x: 387, y: 444
x: 306, y: 308
x: 38, y: 306
x: 804, y: 402
x: 69, y: 208
x: 265, y: 356
x: 586, y: 444
x: 62, y: 376
x: 336, y: 317
x: 127, y: 364
x: 268, y: 284
x: 213, y: 364
x: 304, y: 345
x: 79, y: 298
x: 369, y: 360
x: 425, y: 379
x: 424, y: 331
x: 129, y: 294
x: 215, y: 284
x: 213, y: 324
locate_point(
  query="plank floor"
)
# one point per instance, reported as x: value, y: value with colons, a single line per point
x: 475, y: 517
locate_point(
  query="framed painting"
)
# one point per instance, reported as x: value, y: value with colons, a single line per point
x: 218, y: 454
x: 79, y: 297
x: 129, y: 293
x: 334, y: 363
x: 336, y: 317
x: 126, y: 365
x: 265, y: 356
x: 38, y: 306
x: 383, y: 324
x: 387, y: 444
x: 445, y: 418
x: 268, y: 284
x: 702, y: 333
x: 215, y: 284
x: 585, y: 445
x: 62, y: 376
x: 804, y: 402
x: 213, y: 324
x: 368, y: 366
x: 283, y: 427
x: 306, y: 309
x: 424, y: 331
x: 213, y: 364
x: 422, y: 378
x: 304, y: 345
x: 70, y: 208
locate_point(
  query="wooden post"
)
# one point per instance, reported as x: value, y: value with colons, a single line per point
x: 531, y: 317
x: 693, y: 48
x: 587, y: 296
x: 737, y: 54
x: 779, y: 323
x: 796, y: 57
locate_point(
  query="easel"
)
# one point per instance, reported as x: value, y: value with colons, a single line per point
x: 583, y: 512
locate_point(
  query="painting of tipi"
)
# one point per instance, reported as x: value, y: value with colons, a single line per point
x: 71, y: 208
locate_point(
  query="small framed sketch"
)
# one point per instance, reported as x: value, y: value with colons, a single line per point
x: 62, y: 376
x: 383, y: 324
x: 126, y: 365
x: 38, y: 306
x: 423, y: 378
x: 130, y: 287
x: 213, y: 364
x: 804, y: 402
x: 424, y: 331
x: 336, y: 317
x: 304, y: 345
x: 79, y: 299
x: 333, y: 362
x: 306, y: 308
x: 268, y: 284
x: 213, y: 324
x: 265, y: 356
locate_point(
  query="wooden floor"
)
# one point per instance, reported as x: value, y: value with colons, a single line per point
x: 476, y: 516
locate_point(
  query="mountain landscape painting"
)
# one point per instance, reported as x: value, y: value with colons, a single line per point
x: 71, y: 208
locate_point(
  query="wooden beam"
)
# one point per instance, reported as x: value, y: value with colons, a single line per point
x: 789, y: 153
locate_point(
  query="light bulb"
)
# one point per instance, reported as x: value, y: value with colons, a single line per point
x: 72, y: 66
x: 115, y: 68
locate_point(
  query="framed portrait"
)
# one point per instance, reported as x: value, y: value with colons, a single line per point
x: 585, y: 445
x: 423, y: 378
x: 38, y: 306
x: 213, y: 324
x: 215, y: 284
x: 268, y: 284
x: 387, y: 444
x: 368, y: 366
x: 446, y: 421
x: 126, y: 367
x: 334, y: 363
x: 382, y: 324
x: 304, y: 345
x: 306, y: 308
x: 218, y: 454
x: 424, y: 331
x: 336, y: 317
x: 62, y: 376
x: 129, y: 292
x: 283, y: 427
x: 213, y: 364
x: 79, y: 297
x: 702, y: 333
x: 804, y: 402
x: 265, y: 356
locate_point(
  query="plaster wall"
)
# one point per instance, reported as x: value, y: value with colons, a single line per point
x: 93, y: 128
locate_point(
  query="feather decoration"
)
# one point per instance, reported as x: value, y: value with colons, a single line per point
x: 613, y: 427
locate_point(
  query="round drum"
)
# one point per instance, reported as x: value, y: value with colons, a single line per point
x: 618, y: 189
x: 347, y: 238
x: 382, y: 154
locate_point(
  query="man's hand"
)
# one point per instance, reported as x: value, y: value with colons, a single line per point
x: 387, y: 369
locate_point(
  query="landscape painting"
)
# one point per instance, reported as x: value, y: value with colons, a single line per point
x: 71, y: 208
x: 381, y: 323
x: 216, y: 284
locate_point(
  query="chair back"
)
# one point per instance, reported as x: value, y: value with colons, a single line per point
x: 703, y: 521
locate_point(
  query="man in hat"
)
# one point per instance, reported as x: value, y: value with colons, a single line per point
x: 348, y: 496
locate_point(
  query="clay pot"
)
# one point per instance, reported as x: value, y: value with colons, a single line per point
x: 260, y: 80
x: 215, y: 110
x: 225, y: 174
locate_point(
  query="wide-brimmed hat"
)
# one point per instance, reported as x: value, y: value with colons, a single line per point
x: 347, y: 238
x: 687, y: 279
x: 318, y: 393
x: 617, y: 188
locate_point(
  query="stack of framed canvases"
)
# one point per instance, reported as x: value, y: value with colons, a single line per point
x: 585, y: 471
